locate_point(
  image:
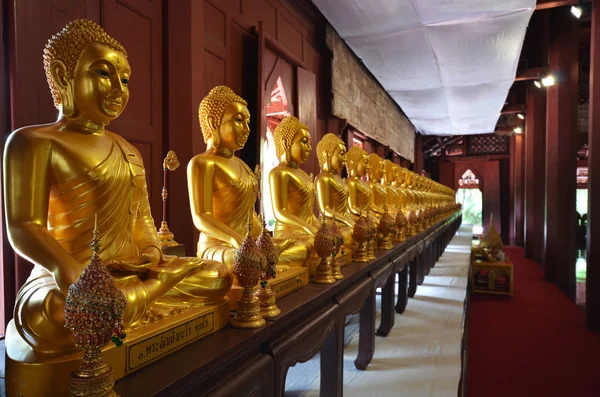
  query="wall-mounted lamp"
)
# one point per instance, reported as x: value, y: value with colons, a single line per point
x: 520, y: 115
x: 548, y: 81
x: 576, y: 11
x: 537, y: 84
x: 518, y: 130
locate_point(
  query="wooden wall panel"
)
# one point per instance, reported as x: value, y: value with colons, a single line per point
x: 447, y: 174
x: 307, y: 112
x: 491, y: 195
x: 519, y: 191
x: 260, y: 10
x: 290, y: 37
x: 214, y: 25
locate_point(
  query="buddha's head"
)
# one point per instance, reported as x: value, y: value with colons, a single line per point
x: 390, y: 171
x: 88, y: 73
x: 292, y: 141
x: 224, y: 119
x: 331, y: 153
x: 376, y: 167
x: 358, y: 162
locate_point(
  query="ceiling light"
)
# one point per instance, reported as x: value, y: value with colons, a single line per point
x: 548, y: 81
x: 576, y: 11
x: 518, y: 130
x: 537, y: 84
x: 520, y: 115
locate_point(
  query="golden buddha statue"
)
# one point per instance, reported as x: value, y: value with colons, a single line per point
x: 379, y: 193
x: 222, y: 188
x: 390, y: 175
x: 293, y: 193
x: 360, y: 195
x: 332, y: 192
x: 57, y: 177
x: 401, y: 188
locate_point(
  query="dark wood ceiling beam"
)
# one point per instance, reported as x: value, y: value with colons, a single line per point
x: 512, y: 109
x: 531, y: 74
x: 547, y: 4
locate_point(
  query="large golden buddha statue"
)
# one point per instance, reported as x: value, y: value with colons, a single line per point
x: 332, y: 192
x: 360, y: 195
x: 379, y: 194
x: 222, y: 188
x: 58, y: 176
x: 390, y: 174
x: 293, y: 192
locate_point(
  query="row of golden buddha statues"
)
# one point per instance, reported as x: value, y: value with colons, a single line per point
x: 72, y: 181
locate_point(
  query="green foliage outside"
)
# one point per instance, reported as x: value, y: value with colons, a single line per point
x: 472, y: 206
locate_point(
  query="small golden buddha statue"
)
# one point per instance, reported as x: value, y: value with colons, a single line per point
x: 390, y: 175
x: 375, y: 175
x: 293, y: 193
x: 222, y: 188
x: 332, y: 192
x: 360, y: 195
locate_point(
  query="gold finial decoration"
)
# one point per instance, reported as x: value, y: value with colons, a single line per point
x: 284, y: 134
x: 336, y: 232
x: 214, y: 104
x: 386, y: 223
x: 361, y: 236
x: 324, y: 244
x: 167, y: 238
x: 372, y: 236
x: 326, y: 147
x: 248, y: 262
x: 66, y: 46
x: 412, y: 223
x: 400, y: 223
x: 265, y: 295
x: 94, y: 310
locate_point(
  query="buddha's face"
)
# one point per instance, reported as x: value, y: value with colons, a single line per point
x: 100, y: 84
x: 300, y: 148
x: 234, y: 129
x: 391, y: 173
x: 338, y: 158
x: 378, y: 170
x: 363, y: 166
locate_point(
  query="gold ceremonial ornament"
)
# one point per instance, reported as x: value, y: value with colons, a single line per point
x: 94, y: 310
x: 167, y: 238
x: 50, y: 211
x: 339, y: 246
x: 265, y: 295
x: 248, y: 262
x: 324, y: 244
x: 361, y: 236
x: 385, y: 228
x: 400, y: 222
x: 371, y: 236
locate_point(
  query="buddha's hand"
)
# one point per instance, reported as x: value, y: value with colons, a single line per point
x: 175, y: 269
x: 151, y: 255
x: 283, y: 245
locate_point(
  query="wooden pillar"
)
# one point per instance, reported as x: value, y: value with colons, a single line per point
x: 518, y: 197
x: 535, y: 141
x: 561, y: 152
x: 491, y: 195
x: 511, y: 209
x: 418, y: 154
x: 592, y: 305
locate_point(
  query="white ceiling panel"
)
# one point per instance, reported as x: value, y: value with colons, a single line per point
x: 448, y: 63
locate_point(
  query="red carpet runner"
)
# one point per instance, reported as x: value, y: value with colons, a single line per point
x: 534, y: 344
